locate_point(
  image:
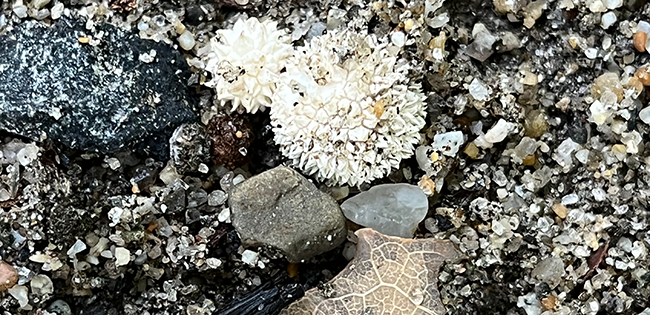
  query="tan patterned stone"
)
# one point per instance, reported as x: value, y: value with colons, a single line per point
x: 388, y: 275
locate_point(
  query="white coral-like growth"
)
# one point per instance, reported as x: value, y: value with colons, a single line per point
x: 345, y: 111
x: 245, y: 62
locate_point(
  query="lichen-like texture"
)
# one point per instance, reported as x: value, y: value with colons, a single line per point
x: 245, y: 62
x: 388, y: 275
x: 122, y: 92
x: 346, y: 110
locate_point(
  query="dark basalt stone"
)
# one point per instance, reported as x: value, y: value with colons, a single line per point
x: 101, y: 98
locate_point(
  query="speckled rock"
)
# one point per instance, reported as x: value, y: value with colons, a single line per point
x: 282, y: 209
x: 117, y: 93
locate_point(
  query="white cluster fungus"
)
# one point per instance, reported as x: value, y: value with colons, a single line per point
x: 341, y: 106
x: 245, y: 62
x: 345, y: 111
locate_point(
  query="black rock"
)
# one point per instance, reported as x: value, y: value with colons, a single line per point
x: 109, y: 97
x: 194, y: 15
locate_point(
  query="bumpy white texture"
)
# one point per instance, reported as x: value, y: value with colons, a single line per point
x: 345, y: 111
x: 245, y: 62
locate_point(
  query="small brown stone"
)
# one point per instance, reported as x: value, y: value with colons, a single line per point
x: 530, y: 160
x: 549, y: 302
x: 643, y: 76
x: 8, y: 276
x: 560, y: 210
x: 231, y: 136
x: 639, y: 39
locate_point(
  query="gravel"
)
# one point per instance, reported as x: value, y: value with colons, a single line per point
x: 532, y: 159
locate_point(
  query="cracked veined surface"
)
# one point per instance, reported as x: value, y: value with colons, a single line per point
x: 389, y: 275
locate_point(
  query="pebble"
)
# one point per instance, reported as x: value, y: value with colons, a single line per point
x: 27, y: 154
x: 60, y: 307
x: 186, y: 40
x: 608, y: 19
x: 640, y: 39
x: 113, y: 163
x: 122, y: 256
x: 550, y: 270
x: 39, y: 4
x: 563, y: 153
x: 41, y: 285
x: 217, y: 198
x: 20, y: 293
x: 398, y: 39
x: 530, y: 304
x: 203, y: 168
x: 591, y: 53
x: 481, y: 48
x: 448, y: 143
x: 78, y: 247
x: 213, y: 263
x: 250, y: 257
x: 549, y: 302
x: 238, y: 179
x: 57, y: 11
x: 560, y: 210
x: 638, y: 250
x: 169, y: 174
x: 498, y: 228
x: 478, y: 90
x: 582, y: 156
x: 8, y: 276
x: 570, y: 199
x: 116, y: 117
x: 282, y: 209
x: 20, y: 11
x: 625, y: 244
x: 391, y: 209
x: 496, y: 134
x: 644, y: 115
x: 224, y: 215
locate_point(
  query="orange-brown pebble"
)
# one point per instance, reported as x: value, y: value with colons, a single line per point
x: 239, y: 134
x: 84, y: 40
x: 152, y: 227
x: 530, y: 160
x: 639, y: 39
x: 292, y: 270
x: 643, y: 76
x: 549, y: 302
x: 8, y: 276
